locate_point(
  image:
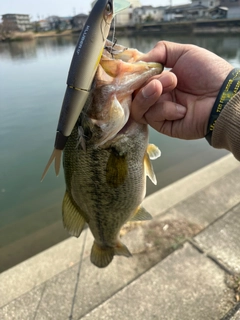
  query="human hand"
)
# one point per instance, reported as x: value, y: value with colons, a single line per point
x: 179, y: 103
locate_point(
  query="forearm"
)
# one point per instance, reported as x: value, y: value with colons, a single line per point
x: 226, y: 133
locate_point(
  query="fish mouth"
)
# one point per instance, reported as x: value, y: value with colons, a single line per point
x: 116, y: 81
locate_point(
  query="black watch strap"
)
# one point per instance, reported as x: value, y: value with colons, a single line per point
x: 230, y: 87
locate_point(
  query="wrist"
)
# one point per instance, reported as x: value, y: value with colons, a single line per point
x: 230, y: 87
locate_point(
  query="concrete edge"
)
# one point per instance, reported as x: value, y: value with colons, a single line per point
x: 176, y: 192
x: 47, y: 264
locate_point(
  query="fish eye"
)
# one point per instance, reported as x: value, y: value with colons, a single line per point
x: 108, y: 8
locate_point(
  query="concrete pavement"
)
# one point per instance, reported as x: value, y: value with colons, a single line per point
x: 185, y: 264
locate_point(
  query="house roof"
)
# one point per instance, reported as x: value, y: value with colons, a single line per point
x: 218, y: 8
x: 197, y: 7
x: 81, y: 15
x: 147, y: 7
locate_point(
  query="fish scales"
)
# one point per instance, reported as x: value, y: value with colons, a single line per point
x: 107, y: 157
x: 103, y: 199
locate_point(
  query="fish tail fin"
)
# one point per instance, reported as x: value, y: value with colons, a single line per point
x: 102, y: 256
x: 56, y: 154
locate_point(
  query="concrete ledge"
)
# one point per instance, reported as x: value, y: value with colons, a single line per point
x: 42, y: 267
x: 171, y: 291
x: 187, y: 186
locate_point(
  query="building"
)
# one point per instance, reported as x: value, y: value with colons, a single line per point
x: 206, y: 3
x: 147, y: 14
x: 176, y: 13
x: 202, y: 9
x: 42, y: 25
x: 233, y: 7
x: 59, y: 23
x: 197, y: 10
x: 16, y: 22
x: 124, y: 17
x: 218, y: 12
x: 79, y: 20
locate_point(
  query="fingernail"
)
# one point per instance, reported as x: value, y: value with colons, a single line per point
x: 148, y: 91
x: 181, y: 109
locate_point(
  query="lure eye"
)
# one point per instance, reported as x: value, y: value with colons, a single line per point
x: 108, y: 8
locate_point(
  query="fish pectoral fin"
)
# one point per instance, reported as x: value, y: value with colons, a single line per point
x: 101, y: 256
x: 153, y: 151
x: 141, y: 215
x: 113, y: 123
x: 73, y: 219
x: 117, y: 169
x: 56, y: 154
x: 149, y: 168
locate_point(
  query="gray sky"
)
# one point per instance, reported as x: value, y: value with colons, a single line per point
x: 44, y: 8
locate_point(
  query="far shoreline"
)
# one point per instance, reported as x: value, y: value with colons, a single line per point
x: 30, y: 35
x: 218, y: 26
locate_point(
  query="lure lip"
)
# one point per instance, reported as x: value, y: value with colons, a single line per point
x: 120, y: 5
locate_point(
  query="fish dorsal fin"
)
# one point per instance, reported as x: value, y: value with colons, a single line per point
x: 141, y: 214
x: 153, y: 151
x: 149, y: 168
x: 117, y: 169
x: 73, y: 219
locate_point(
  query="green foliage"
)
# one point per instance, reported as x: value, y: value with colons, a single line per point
x: 149, y: 18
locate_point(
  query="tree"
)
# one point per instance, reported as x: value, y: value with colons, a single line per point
x: 149, y: 18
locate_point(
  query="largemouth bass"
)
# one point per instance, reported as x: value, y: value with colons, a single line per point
x: 107, y: 156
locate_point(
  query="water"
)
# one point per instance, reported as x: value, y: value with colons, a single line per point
x: 32, y: 84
